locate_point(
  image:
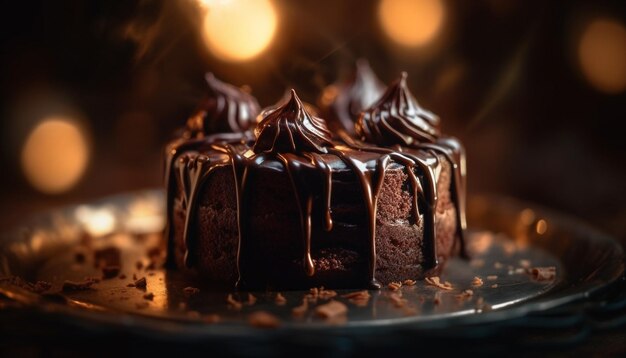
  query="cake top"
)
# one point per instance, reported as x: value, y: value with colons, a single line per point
x: 397, y: 118
x: 291, y: 129
x: 225, y: 109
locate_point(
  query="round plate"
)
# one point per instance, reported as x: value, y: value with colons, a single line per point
x: 507, y: 240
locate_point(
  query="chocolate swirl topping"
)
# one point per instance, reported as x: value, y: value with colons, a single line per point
x: 397, y: 118
x: 291, y: 129
x: 225, y: 109
x: 349, y: 99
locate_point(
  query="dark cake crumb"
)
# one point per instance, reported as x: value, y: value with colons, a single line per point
x: 477, y: 281
x: 148, y: 296
x: 69, y: 286
x: 141, y: 283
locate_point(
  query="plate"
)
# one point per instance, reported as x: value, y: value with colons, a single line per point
x: 507, y: 239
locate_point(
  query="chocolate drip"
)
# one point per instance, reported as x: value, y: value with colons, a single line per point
x: 397, y: 119
x: 225, y: 109
x: 344, y: 102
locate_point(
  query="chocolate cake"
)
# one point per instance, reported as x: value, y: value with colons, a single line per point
x: 288, y: 206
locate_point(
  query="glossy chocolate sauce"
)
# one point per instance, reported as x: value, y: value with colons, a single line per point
x: 395, y: 129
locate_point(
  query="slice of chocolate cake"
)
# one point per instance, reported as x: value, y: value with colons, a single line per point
x: 292, y: 208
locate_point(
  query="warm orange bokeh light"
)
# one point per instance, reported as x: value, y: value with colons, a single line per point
x: 411, y: 23
x: 55, y: 155
x: 602, y: 55
x: 238, y: 30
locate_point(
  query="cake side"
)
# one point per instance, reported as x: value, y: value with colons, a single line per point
x: 340, y: 256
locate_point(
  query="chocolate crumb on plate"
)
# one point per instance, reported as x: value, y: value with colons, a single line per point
x: 141, y: 283
x: 148, y: 296
x: 122, y: 277
x: 542, y: 273
x: 69, y: 286
x: 263, y: 319
x: 331, y: 310
x: 436, y: 281
x: 477, y: 281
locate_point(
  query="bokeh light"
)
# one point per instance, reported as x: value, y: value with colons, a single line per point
x: 602, y: 55
x: 55, y: 155
x: 411, y: 23
x: 96, y: 222
x: 238, y: 30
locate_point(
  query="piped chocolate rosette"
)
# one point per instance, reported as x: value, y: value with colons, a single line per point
x: 224, y: 109
x: 291, y: 129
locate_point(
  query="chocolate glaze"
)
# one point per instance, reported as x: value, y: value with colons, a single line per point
x: 344, y: 102
x: 300, y: 144
x: 225, y: 109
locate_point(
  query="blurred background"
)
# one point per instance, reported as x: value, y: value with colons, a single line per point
x: 91, y: 90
